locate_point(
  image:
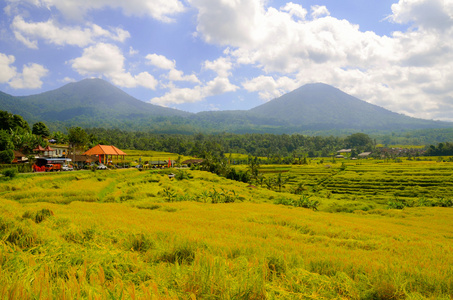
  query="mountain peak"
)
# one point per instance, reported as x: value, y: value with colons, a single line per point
x: 319, y: 105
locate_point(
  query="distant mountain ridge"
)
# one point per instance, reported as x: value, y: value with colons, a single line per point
x: 97, y: 103
x: 321, y: 106
x: 92, y: 98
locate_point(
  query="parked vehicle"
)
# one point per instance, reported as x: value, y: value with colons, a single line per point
x: 67, y: 168
x: 102, y: 167
x: 49, y: 164
x: 53, y: 167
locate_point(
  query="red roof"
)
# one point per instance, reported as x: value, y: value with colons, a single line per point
x: 104, y: 150
x: 49, y: 149
x: 39, y: 148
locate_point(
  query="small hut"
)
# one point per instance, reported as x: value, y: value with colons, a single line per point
x: 104, y: 151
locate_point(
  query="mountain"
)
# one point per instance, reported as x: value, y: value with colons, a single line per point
x: 311, y: 108
x: 320, y: 106
x: 90, y: 99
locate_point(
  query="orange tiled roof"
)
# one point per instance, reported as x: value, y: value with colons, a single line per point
x: 104, y: 150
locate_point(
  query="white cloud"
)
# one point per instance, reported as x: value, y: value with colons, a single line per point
x: 408, y: 72
x: 30, y: 77
x: 160, y: 61
x: 180, y: 96
x: 107, y: 60
x: 174, y: 74
x: 268, y: 88
x: 427, y: 14
x: 295, y: 10
x: 222, y: 66
x: 219, y: 85
x: 318, y: 11
x: 176, y: 95
x: 53, y: 33
x: 228, y: 22
x: 6, y: 70
x: 75, y: 9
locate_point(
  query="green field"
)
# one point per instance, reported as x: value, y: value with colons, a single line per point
x: 138, y: 234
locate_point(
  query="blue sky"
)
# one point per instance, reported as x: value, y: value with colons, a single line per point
x: 198, y: 55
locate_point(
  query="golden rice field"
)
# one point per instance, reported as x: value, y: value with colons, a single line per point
x: 130, y: 234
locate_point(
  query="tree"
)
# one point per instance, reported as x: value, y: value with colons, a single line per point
x: 60, y: 137
x: 253, y: 167
x: 9, y: 121
x: 5, y: 140
x: 360, y: 141
x: 6, y: 156
x: 40, y: 129
x: 78, y: 138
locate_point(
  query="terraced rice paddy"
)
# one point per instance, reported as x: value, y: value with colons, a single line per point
x: 130, y: 234
x: 373, y: 180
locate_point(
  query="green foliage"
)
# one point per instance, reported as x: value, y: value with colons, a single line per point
x: 39, y: 215
x: 40, y: 129
x: 420, y: 202
x: 170, y: 195
x: 10, y: 173
x: 5, y: 140
x: 182, y: 175
x: 77, y: 137
x: 10, y: 121
x: 304, y: 202
x: 360, y: 141
x: 6, y: 156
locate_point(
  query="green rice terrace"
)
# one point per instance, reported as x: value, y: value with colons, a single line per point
x: 364, y: 229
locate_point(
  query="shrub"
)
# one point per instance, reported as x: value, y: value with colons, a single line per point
x: 139, y: 242
x: 181, y: 254
x: 396, y: 204
x: 10, y: 173
x: 6, y: 156
x: 181, y: 175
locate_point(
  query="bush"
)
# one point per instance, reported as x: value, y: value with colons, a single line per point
x: 139, y: 242
x: 10, y: 173
x: 6, y: 156
x: 38, y: 216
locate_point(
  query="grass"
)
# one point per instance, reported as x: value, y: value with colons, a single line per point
x: 115, y: 235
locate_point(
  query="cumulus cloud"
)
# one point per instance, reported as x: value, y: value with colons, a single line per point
x: 176, y: 95
x: 30, y: 77
x: 432, y: 14
x: 295, y: 10
x: 268, y: 88
x: 174, y: 74
x: 107, y: 60
x: 75, y: 9
x: 53, y: 33
x: 7, y: 71
x: 319, y: 11
x: 408, y: 72
x: 222, y: 66
x: 160, y: 61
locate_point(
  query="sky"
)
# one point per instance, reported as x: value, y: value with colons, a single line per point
x: 200, y: 55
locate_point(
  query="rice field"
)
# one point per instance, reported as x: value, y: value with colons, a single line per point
x: 131, y: 234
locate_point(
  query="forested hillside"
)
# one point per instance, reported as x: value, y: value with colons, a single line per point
x: 313, y: 109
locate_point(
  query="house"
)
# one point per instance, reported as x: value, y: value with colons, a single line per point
x: 364, y: 154
x: 344, y: 151
x: 59, y: 151
x: 19, y: 157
